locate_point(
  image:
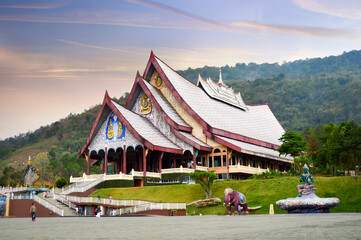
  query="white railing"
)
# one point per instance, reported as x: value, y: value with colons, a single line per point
x: 155, y: 206
x: 201, y: 168
x: 105, y: 201
x: 85, y: 178
x: 64, y: 201
x: 48, y: 205
x: 164, y: 181
x: 90, y: 185
x: 120, y: 176
x: 245, y: 169
x: 153, y: 174
x: 136, y: 173
x: 148, y: 174
x: 10, y: 189
x: 177, y: 170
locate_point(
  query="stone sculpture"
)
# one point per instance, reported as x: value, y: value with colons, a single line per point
x: 307, y: 201
x: 236, y: 199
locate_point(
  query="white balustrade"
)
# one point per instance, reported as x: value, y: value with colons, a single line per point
x: 245, y: 169
x: 48, y: 205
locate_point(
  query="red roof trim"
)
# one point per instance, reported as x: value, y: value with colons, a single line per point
x: 170, y: 150
x: 153, y: 61
x: 244, y: 138
x: 227, y: 144
x: 190, y: 141
x: 87, y: 142
x: 132, y: 91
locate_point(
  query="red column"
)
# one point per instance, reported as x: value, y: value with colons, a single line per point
x: 160, y: 162
x: 144, y: 163
x: 194, y: 159
x: 124, y: 167
x: 140, y: 160
x: 174, y: 161
x: 88, y: 165
x: 105, y: 166
x: 227, y: 163
x: 119, y: 164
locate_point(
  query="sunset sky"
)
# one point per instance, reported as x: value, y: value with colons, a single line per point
x: 58, y: 57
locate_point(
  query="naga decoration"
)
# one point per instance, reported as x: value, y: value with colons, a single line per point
x: 145, y: 106
x: 236, y: 199
x: 32, y: 173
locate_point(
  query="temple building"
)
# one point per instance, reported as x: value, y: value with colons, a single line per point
x: 171, y: 127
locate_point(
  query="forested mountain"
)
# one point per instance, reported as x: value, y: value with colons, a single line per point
x: 349, y: 63
x: 302, y: 94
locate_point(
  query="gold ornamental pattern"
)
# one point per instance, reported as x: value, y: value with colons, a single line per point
x: 146, y: 105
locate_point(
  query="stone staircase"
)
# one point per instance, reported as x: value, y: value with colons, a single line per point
x: 68, y: 212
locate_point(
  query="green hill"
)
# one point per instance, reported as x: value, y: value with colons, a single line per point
x: 258, y: 193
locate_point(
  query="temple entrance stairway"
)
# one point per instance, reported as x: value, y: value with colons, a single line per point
x: 67, y: 211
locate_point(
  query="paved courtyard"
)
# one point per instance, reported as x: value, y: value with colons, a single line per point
x: 311, y: 226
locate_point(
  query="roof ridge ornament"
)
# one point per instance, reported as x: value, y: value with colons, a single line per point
x: 220, y: 81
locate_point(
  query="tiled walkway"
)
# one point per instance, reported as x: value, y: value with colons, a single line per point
x: 311, y: 226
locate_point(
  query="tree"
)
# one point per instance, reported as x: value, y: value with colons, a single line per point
x: 292, y: 143
x: 11, y: 177
x: 42, y: 162
x: 205, y: 179
x: 61, y: 182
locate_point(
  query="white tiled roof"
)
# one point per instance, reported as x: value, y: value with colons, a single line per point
x: 258, y: 122
x: 144, y: 128
x: 165, y: 105
x: 222, y: 93
x: 257, y: 150
x: 194, y: 139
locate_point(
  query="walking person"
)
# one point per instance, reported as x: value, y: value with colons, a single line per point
x: 33, y: 212
x: 99, y: 198
x: 110, y: 199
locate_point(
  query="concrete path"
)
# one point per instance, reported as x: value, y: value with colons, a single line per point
x: 305, y: 227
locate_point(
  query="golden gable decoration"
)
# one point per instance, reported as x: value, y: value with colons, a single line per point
x: 145, y: 105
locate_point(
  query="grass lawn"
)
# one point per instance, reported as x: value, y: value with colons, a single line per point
x: 258, y: 193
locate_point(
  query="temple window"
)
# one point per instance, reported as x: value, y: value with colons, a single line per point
x: 233, y: 160
x: 210, y: 162
x: 224, y: 160
x: 217, y: 161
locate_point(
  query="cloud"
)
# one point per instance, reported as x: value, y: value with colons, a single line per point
x: 98, y: 47
x: 64, y: 70
x: 303, y: 30
x: 346, y: 8
x: 182, y: 13
x: 35, y: 6
x: 90, y: 19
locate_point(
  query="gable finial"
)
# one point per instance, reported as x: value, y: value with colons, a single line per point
x: 220, y: 81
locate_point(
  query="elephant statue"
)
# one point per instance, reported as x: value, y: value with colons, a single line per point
x: 237, y: 199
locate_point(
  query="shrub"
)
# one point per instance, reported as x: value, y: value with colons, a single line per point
x: 61, y: 182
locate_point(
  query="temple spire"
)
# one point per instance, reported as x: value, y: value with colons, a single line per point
x: 220, y: 82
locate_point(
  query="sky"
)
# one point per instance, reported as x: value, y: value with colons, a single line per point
x: 59, y: 57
